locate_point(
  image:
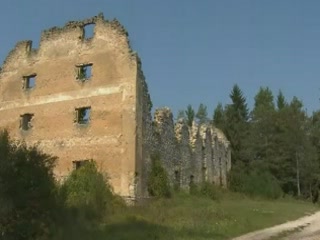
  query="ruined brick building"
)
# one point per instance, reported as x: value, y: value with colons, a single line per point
x: 84, y: 99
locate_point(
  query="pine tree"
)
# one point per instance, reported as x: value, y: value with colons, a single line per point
x: 237, y: 115
x: 263, y: 102
x: 239, y: 104
x: 218, y: 117
x: 190, y: 115
x: 294, y: 153
x: 262, y: 127
x: 202, y: 114
x: 281, y: 101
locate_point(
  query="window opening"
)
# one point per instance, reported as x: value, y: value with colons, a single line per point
x: 29, y: 82
x: 191, y: 180
x: 89, y: 31
x: 25, y: 121
x: 78, y: 164
x: 83, y: 115
x: 84, y: 72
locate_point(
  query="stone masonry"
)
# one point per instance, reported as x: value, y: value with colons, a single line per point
x: 191, y: 154
x: 85, y: 98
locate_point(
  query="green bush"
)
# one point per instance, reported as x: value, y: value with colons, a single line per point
x: 210, y: 190
x: 158, y: 181
x: 27, y: 191
x: 206, y: 189
x: 236, y: 178
x: 194, y: 189
x: 87, y: 192
x: 256, y: 183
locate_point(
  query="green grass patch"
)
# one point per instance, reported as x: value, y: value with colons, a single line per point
x: 191, y: 217
x: 198, y: 218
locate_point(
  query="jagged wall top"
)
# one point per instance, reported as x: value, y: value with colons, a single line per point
x: 144, y: 85
x: 181, y: 130
x: 23, y: 49
x: 164, y: 116
x: 80, y: 24
x: 219, y: 135
x: 199, y: 152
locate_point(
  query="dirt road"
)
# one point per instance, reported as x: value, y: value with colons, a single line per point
x: 306, y: 228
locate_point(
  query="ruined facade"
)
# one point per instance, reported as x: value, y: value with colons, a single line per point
x: 84, y: 99
x: 190, y: 154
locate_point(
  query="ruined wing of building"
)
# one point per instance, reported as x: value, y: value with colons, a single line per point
x: 85, y: 98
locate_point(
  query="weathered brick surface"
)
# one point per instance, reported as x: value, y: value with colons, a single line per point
x: 110, y: 137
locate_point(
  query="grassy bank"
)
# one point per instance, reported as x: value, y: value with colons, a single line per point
x: 189, y: 217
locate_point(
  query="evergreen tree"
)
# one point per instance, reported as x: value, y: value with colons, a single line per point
x: 294, y: 153
x: 261, y: 142
x: 202, y: 114
x: 313, y: 174
x: 218, y: 117
x: 239, y: 104
x: 281, y: 101
x: 190, y: 115
x: 263, y: 102
x: 280, y: 140
x: 237, y: 115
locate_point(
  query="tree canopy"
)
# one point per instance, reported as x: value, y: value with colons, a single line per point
x: 277, y: 138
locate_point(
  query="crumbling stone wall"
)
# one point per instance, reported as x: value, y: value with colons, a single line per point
x: 145, y: 138
x: 222, y: 156
x: 207, y: 157
x: 191, y: 154
x: 197, y: 168
x: 183, y: 168
x: 216, y: 158
x: 165, y: 142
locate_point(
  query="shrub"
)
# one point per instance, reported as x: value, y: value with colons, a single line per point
x: 158, y: 182
x: 87, y: 192
x: 210, y: 190
x: 236, y: 178
x: 194, y: 189
x: 206, y: 189
x: 255, y: 183
x: 27, y: 191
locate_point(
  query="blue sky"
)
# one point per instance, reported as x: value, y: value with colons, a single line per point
x: 195, y: 51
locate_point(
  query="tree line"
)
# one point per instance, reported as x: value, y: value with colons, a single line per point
x: 275, y: 145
